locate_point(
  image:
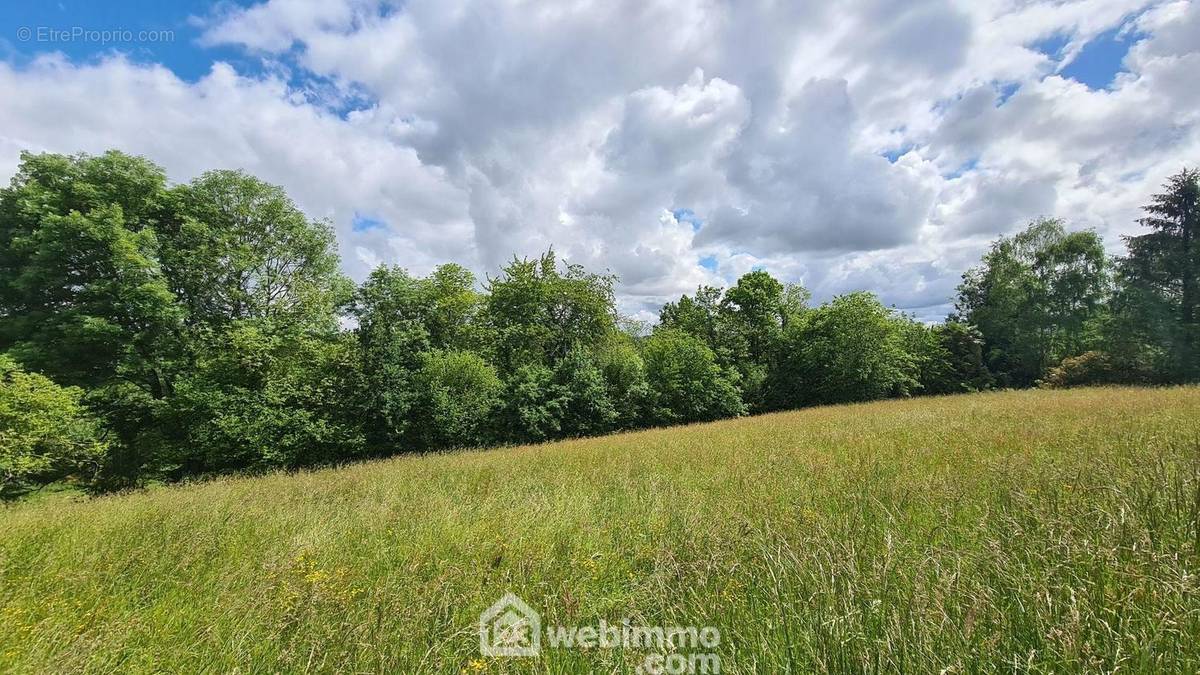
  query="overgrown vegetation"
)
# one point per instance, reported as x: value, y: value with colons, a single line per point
x: 45, y: 433
x: 205, y: 328
x: 1033, y: 531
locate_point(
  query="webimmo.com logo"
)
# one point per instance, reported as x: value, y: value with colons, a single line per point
x: 511, y: 628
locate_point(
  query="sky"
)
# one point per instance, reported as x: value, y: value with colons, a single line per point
x: 873, y: 144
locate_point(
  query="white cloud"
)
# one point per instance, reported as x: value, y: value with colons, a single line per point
x: 500, y: 127
x: 331, y: 167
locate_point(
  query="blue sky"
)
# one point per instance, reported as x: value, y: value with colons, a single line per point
x: 182, y: 55
x: 1100, y: 59
x: 1099, y: 62
x: 365, y: 223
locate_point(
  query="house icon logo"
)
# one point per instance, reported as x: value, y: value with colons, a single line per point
x: 510, y: 628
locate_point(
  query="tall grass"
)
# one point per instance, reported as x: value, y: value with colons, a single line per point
x: 1045, y: 531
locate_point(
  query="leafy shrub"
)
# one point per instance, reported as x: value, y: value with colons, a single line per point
x: 45, y: 433
x: 851, y: 349
x: 533, y: 405
x: 953, y: 361
x: 457, y: 394
x: 571, y: 399
x: 1078, y: 371
x: 262, y: 399
x: 625, y: 377
x: 686, y: 384
x: 587, y: 408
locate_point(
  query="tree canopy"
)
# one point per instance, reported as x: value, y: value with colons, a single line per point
x: 1036, y: 298
x: 157, y: 331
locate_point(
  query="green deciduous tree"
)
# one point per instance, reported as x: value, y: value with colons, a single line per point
x: 401, y: 318
x: 238, y: 248
x: 538, y: 313
x: 392, y: 312
x: 533, y: 406
x: 698, y: 315
x: 851, y: 349
x: 454, y: 306
x: 114, y: 282
x: 1037, y: 297
x: 625, y: 378
x: 686, y: 383
x: 208, y: 329
x: 261, y: 397
x: 456, y: 397
x: 587, y: 408
x: 742, y: 325
x: 952, y: 362
x: 759, y: 309
x: 81, y: 291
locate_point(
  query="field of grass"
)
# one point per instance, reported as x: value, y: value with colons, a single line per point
x: 1046, y: 531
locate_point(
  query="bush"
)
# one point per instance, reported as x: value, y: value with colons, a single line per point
x: 259, y: 399
x: 686, y: 384
x: 46, y: 434
x: 1088, y: 368
x: 533, y: 406
x: 851, y: 349
x: 569, y: 400
x: 952, y: 360
x: 587, y: 408
x: 625, y: 376
x: 457, y: 394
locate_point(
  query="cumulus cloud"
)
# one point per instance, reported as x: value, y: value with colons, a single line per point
x: 800, y: 185
x: 874, y: 145
x: 330, y: 166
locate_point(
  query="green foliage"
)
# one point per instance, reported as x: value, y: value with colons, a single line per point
x: 587, y: 408
x: 1141, y: 334
x: 452, y: 315
x: 686, y: 383
x: 570, y: 399
x: 625, y: 378
x: 852, y: 349
x: 209, y: 329
x: 402, y: 318
x: 457, y: 394
x: 392, y: 311
x: 1037, y: 297
x: 150, y: 297
x: 46, y: 434
x: 1158, y: 319
x: 699, y: 316
x: 755, y: 305
x: 260, y: 397
x: 743, y: 326
x: 533, y: 406
x: 81, y: 290
x: 538, y: 313
x: 238, y: 248
x: 952, y: 360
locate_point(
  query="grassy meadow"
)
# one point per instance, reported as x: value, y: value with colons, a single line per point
x: 1034, y: 530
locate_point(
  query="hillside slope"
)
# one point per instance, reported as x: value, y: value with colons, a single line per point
x: 1058, y: 530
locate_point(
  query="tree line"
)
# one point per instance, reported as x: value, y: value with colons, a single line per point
x: 164, y: 332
